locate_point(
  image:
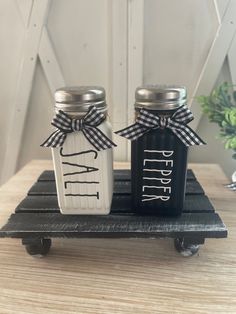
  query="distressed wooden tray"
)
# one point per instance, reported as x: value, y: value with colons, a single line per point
x: 37, y: 218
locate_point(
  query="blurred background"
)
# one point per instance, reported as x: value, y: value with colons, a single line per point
x: 118, y: 44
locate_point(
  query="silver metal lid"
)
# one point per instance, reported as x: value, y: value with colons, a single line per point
x: 160, y: 97
x: 80, y: 98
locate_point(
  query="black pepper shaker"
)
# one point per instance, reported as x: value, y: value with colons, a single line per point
x: 160, y: 139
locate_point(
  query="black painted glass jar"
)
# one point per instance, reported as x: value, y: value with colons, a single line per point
x: 159, y: 157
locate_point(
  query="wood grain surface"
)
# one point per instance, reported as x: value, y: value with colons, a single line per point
x: 119, y: 275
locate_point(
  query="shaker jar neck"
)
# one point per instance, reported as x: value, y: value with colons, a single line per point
x: 160, y: 113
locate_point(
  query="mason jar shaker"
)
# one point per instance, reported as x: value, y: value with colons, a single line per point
x: 82, y: 151
x: 160, y: 139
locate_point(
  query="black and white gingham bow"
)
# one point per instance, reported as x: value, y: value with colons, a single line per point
x: 88, y: 125
x: 147, y: 121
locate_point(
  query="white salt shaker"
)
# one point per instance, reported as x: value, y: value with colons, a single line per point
x: 82, y: 151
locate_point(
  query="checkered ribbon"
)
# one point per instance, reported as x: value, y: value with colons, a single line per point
x: 177, y: 123
x: 88, y: 125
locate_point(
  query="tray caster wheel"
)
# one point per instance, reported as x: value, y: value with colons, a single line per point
x: 37, y: 247
x: 185, y: 248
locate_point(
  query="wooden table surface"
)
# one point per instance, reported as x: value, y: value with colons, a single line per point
x: 119, y: 276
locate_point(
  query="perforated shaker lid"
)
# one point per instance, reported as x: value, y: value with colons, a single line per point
x: 160, y: 97
x: 80, y: 98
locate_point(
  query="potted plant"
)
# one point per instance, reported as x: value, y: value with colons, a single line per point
x: 220, y: 108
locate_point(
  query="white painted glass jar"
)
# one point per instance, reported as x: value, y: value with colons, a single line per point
x: 84, y: 174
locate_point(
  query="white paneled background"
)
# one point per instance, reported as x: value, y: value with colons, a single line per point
x: 118, y: 44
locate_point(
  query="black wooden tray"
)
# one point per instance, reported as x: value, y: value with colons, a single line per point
x: 37, y: 218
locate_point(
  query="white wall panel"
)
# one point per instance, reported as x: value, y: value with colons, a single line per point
x: 80, y: 34
x: 118, y: 74
x: 11, y: 36
x: 177, y: 38
x: 37, y: 124
x: 222, y: 6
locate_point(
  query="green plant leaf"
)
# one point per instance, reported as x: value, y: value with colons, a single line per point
x: 220, y: 108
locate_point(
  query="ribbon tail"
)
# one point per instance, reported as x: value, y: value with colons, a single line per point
x: 198, y: 139
x: 186, y: 134
x: 56, y: 139
x: 133, y: 131
x: 97, y: 138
